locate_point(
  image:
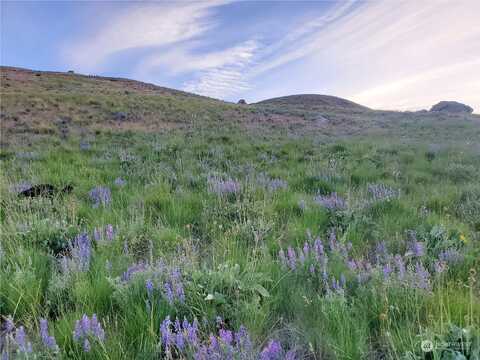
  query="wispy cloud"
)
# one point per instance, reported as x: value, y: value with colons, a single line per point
x: 154, y: 25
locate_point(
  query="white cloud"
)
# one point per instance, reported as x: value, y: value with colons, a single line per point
x: 400, y: 55
x: 157, y: 24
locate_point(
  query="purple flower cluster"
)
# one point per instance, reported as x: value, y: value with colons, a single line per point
x: 87, y: 329
x: 313, y: 259
x: 223, y: 187
x: 100, y: 195
x: 382, y: 192
x: 47, y: 340
x: 184, y: 340
x: 332, y: 202
x: 105, y: 233
x: 171, y: 288
x: 271, y: 184
x: 81, y: 252
x: 408, y: 270
x: 274, y: 351
x: 120, y: 182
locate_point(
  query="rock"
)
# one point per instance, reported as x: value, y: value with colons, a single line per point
x: 242, y: 102
x: 452, y: 107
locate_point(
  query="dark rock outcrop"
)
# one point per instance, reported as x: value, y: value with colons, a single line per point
x: 44, y: 190
x: 242, y: 102
x: 452, y: 107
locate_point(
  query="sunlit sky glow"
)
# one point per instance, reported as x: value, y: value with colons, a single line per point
x: 402, y: 55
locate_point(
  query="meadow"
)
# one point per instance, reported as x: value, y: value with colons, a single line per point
x: 224, y: 244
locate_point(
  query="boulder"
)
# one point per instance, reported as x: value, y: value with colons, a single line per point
x: 242, y: 102
x: 452, y: 107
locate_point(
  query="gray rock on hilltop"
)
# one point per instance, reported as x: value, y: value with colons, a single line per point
x: 452, y: 107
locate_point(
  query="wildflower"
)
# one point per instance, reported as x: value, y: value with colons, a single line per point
x: 168, y: 292
x: 440, y: 266
x: 100, y: 195
x: 292, y: 259
x: 47, y: 340
x: 416, y: 248
x: 400, y: 264
x: 277, y: 184
x: 133, y: 269
x: 120, y: 182
x: 382, y: 192
x: 167, y: 338
x: 109, y: 232
x: 223, y: 187
x: 451, y: 256
x: 149, y: 287
x: 422, y: 277
x: 463, y: 239
x: 387, y: 270
x: 226, y: 336
x: 273, y: 351
x: 332, y: 202
x: 21, y: 340
x: 87, y: 329
x: 9, y: 324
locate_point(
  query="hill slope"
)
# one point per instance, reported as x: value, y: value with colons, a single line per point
x: 63, y: 104
x: 314, y: 102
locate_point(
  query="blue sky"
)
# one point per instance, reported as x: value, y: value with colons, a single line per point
x: 385, y: 54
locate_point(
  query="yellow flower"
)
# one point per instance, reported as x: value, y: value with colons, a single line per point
x: 463, y: 238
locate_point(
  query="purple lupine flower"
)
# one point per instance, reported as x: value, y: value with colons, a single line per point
x: 319, y: 251
x: 47, y: 340
x: 292, y: 258
x: 416, y: 248
x: 332, y: 240
x: 96, y: 328
x: 311, y: 269
x: 176, y: 279
x: 301, y: 256
x: 9, y: 324
x: 226, y: 336
x: 97, y: 235
x: 180, y: 340
x: 382, y: 192
x: 77, y: 332
x: 223, y: 187
x: 352, y: 265
x: 387, y: 270
x: 306, y: 248
x: 242, y: 339
x: 21, y: 341
x: 100, y: 195
x: 120, y: 182
x: 381, y: 252
x: 149, y: 287
x: 168, y: 292
x: 332, y: 202
x: 422, y: 277
x: 133, y: 269
x: 85, y: 324
x: 451, y: 256
x: 273, y: 351
x: 440, y: 266
x: 400, y: 264
x: 290, y: 355
x: 167, y: 336
x: 276, y: 184
x: 81, y: 252
x: 109, y: 232
x: 86, y: 345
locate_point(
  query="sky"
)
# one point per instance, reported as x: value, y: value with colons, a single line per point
x: 398, y: 55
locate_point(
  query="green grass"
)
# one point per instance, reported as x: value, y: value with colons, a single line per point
x: 227, y: 246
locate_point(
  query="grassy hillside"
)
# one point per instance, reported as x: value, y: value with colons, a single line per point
x: 354, y: 238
